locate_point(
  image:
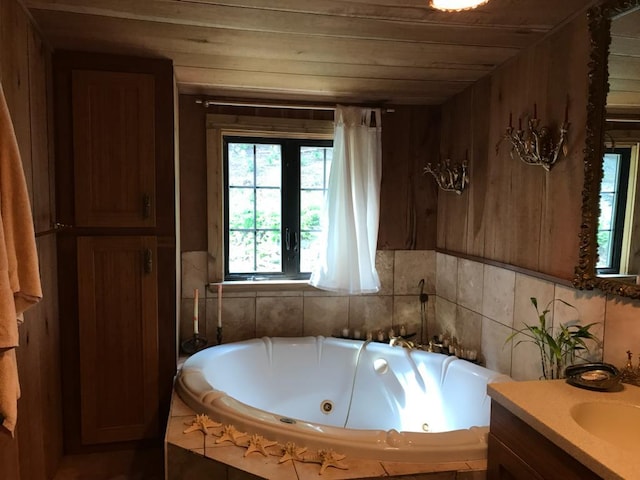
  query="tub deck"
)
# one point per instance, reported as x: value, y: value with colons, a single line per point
x: 196, y: 456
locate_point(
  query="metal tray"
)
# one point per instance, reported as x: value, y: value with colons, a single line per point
x: 594, y: 376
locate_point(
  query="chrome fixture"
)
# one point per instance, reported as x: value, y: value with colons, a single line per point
x: 536, y: 145
x: 451, y: 178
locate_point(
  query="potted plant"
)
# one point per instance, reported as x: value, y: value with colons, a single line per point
x: 559, y: 348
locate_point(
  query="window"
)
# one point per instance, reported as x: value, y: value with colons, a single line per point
x: 274, y: 193
x: 613, y: 199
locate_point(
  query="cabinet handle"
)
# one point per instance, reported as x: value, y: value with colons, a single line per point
x: 148, y: 261
x: 146, y: 205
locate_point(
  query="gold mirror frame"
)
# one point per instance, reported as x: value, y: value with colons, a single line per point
x: 600, y: 30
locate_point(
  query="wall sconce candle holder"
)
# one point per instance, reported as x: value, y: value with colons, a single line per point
x: 536, y: 145
x: 451, y: 178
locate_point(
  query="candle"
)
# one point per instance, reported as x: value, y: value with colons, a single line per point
x: 219, y: 305
x: 195, y: 312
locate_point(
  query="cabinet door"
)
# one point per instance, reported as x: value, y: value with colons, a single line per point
x: 113, y: 149
x: 118, y: 338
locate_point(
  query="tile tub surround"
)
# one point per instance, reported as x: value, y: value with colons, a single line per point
x: 476, y: 302
x: 304, y: 310
x: 491, y: 301
x: 196, y: 456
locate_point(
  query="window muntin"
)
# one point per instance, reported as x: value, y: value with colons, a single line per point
x: 275, y: 190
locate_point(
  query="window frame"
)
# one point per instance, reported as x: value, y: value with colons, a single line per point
x: 290, y: 205
x: 618, y: 220
x: 220, y: 125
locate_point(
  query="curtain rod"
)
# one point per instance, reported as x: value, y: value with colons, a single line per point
x: 253, y: 104
x: 293, y: 106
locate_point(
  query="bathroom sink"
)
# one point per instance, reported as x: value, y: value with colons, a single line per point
x: 616, y: 423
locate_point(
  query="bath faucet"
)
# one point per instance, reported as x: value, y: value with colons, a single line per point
x: 401, y: 342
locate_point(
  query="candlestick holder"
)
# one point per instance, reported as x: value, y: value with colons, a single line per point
x: 451, y: 178
x: 219, y: 335
x: 194, y: 344
x: 536, y: 145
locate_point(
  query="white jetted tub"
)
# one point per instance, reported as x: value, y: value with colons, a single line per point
x: 364, y: 399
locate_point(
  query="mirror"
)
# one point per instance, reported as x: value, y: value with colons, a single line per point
x: 610, y: 231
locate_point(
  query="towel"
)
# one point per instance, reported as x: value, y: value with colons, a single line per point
x: 19, y: 274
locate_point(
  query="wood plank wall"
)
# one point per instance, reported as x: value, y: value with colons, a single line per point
x: 408, y: 199
x: 25, y: 69
x: 515, y: 213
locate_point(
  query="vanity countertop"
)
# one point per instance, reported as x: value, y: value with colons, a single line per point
x: 545, y: 405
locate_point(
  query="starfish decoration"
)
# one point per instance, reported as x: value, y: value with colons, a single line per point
x: 329, y: 458
x: 257, y: 443
x: 292, y: 452
x: 230, y: 434
x: 201, y: 422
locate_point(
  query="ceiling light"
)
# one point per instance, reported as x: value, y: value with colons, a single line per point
x: 456, y: 5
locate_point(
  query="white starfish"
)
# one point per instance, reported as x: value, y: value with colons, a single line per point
x: 230, y: 434
x: 201, y: 422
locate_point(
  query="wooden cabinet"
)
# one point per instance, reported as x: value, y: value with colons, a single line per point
x: 517, y: 451
x: 113, y: 149
x: 118, y: 306
x: 117, y: 248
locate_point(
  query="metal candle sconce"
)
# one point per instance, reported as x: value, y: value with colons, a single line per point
x: 536, y: 145
x: 451, y: 178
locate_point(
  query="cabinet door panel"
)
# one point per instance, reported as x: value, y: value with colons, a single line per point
x: 113, y: 149
x: 118, y: 331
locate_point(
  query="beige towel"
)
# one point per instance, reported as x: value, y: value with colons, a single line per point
x: 19, y: 275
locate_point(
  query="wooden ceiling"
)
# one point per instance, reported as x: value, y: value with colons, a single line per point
x: 358, y: 51
x: 623, y: 101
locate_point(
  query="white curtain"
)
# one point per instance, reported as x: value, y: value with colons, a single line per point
x: 351, y: 213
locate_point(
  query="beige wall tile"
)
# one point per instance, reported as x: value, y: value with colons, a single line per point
x: 238, y: 319
x: 526, y: 287
x: 496, y: 354
x: 498, y: 291
x: 279, y: 316
x: 468, y: 328
x: 370, y: 312
x: 470, y: 281
x: 384, y: 267
x: 410, y: 267
x: 194, y: 273
x: 325, y: 315
x: 445, y: 317
x: 621, y: 331
x: 589, y: 308
x: 447, y: 276
x: 406, y: 311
